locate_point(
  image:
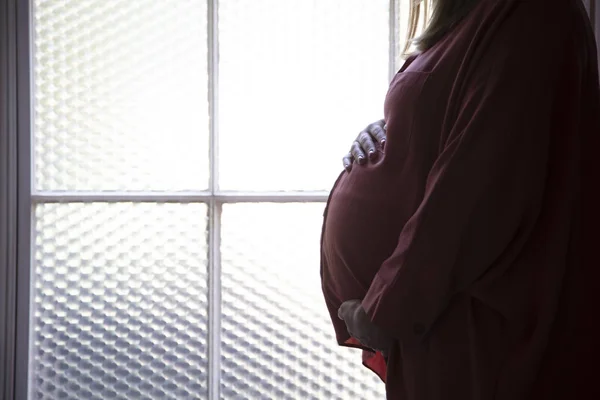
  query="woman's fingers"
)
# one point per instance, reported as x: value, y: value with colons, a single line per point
x: 357, y: 153
x: 348, y: 160
x: 378, y: 131
x: 366, y: 144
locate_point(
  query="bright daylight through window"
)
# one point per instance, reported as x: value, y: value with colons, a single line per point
x: 181, y: 155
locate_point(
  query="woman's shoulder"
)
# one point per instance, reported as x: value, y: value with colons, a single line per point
x: 528, y: 28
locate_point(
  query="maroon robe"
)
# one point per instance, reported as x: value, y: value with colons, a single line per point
x: 471, y: 239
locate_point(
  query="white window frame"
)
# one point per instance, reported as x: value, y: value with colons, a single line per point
x: 18, y: 196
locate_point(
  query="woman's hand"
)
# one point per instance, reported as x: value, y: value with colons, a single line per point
x: 365, y: 144
x: 360, y: 327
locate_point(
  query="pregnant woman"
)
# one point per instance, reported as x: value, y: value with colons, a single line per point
x: 459, y: 245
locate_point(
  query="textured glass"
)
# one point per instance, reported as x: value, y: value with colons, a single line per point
x: 298, y: 81
x: 119, y: 302
x: 277, y: 337
x: 120, y: 90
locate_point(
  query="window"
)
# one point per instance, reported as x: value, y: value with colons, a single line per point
x: 173, y: 159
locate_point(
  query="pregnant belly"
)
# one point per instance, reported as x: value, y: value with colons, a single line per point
x: 366, y: 212
x: 363, y: 221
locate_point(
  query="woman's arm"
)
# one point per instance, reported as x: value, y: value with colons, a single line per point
x: 484, y: 192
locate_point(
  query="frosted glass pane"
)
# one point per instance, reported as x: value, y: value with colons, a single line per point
x: 298, y: 80
x: 120, y: 91
x: 277, y: 338
x: 119, y: 307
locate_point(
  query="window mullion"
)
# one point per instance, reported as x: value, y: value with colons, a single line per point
x: 214, y: 300
x: 394, y: 37
x: 180, y: 197
x: 213, y: 90
x: 214, y: 221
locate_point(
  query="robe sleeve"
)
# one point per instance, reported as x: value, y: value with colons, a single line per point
x: 484, y: 190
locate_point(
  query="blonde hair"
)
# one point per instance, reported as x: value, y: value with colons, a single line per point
x: 433, y: 19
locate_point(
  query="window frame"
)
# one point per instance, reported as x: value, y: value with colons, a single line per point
x: 18, y: 196
x: 8, y: 198
x: 15, y: 196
